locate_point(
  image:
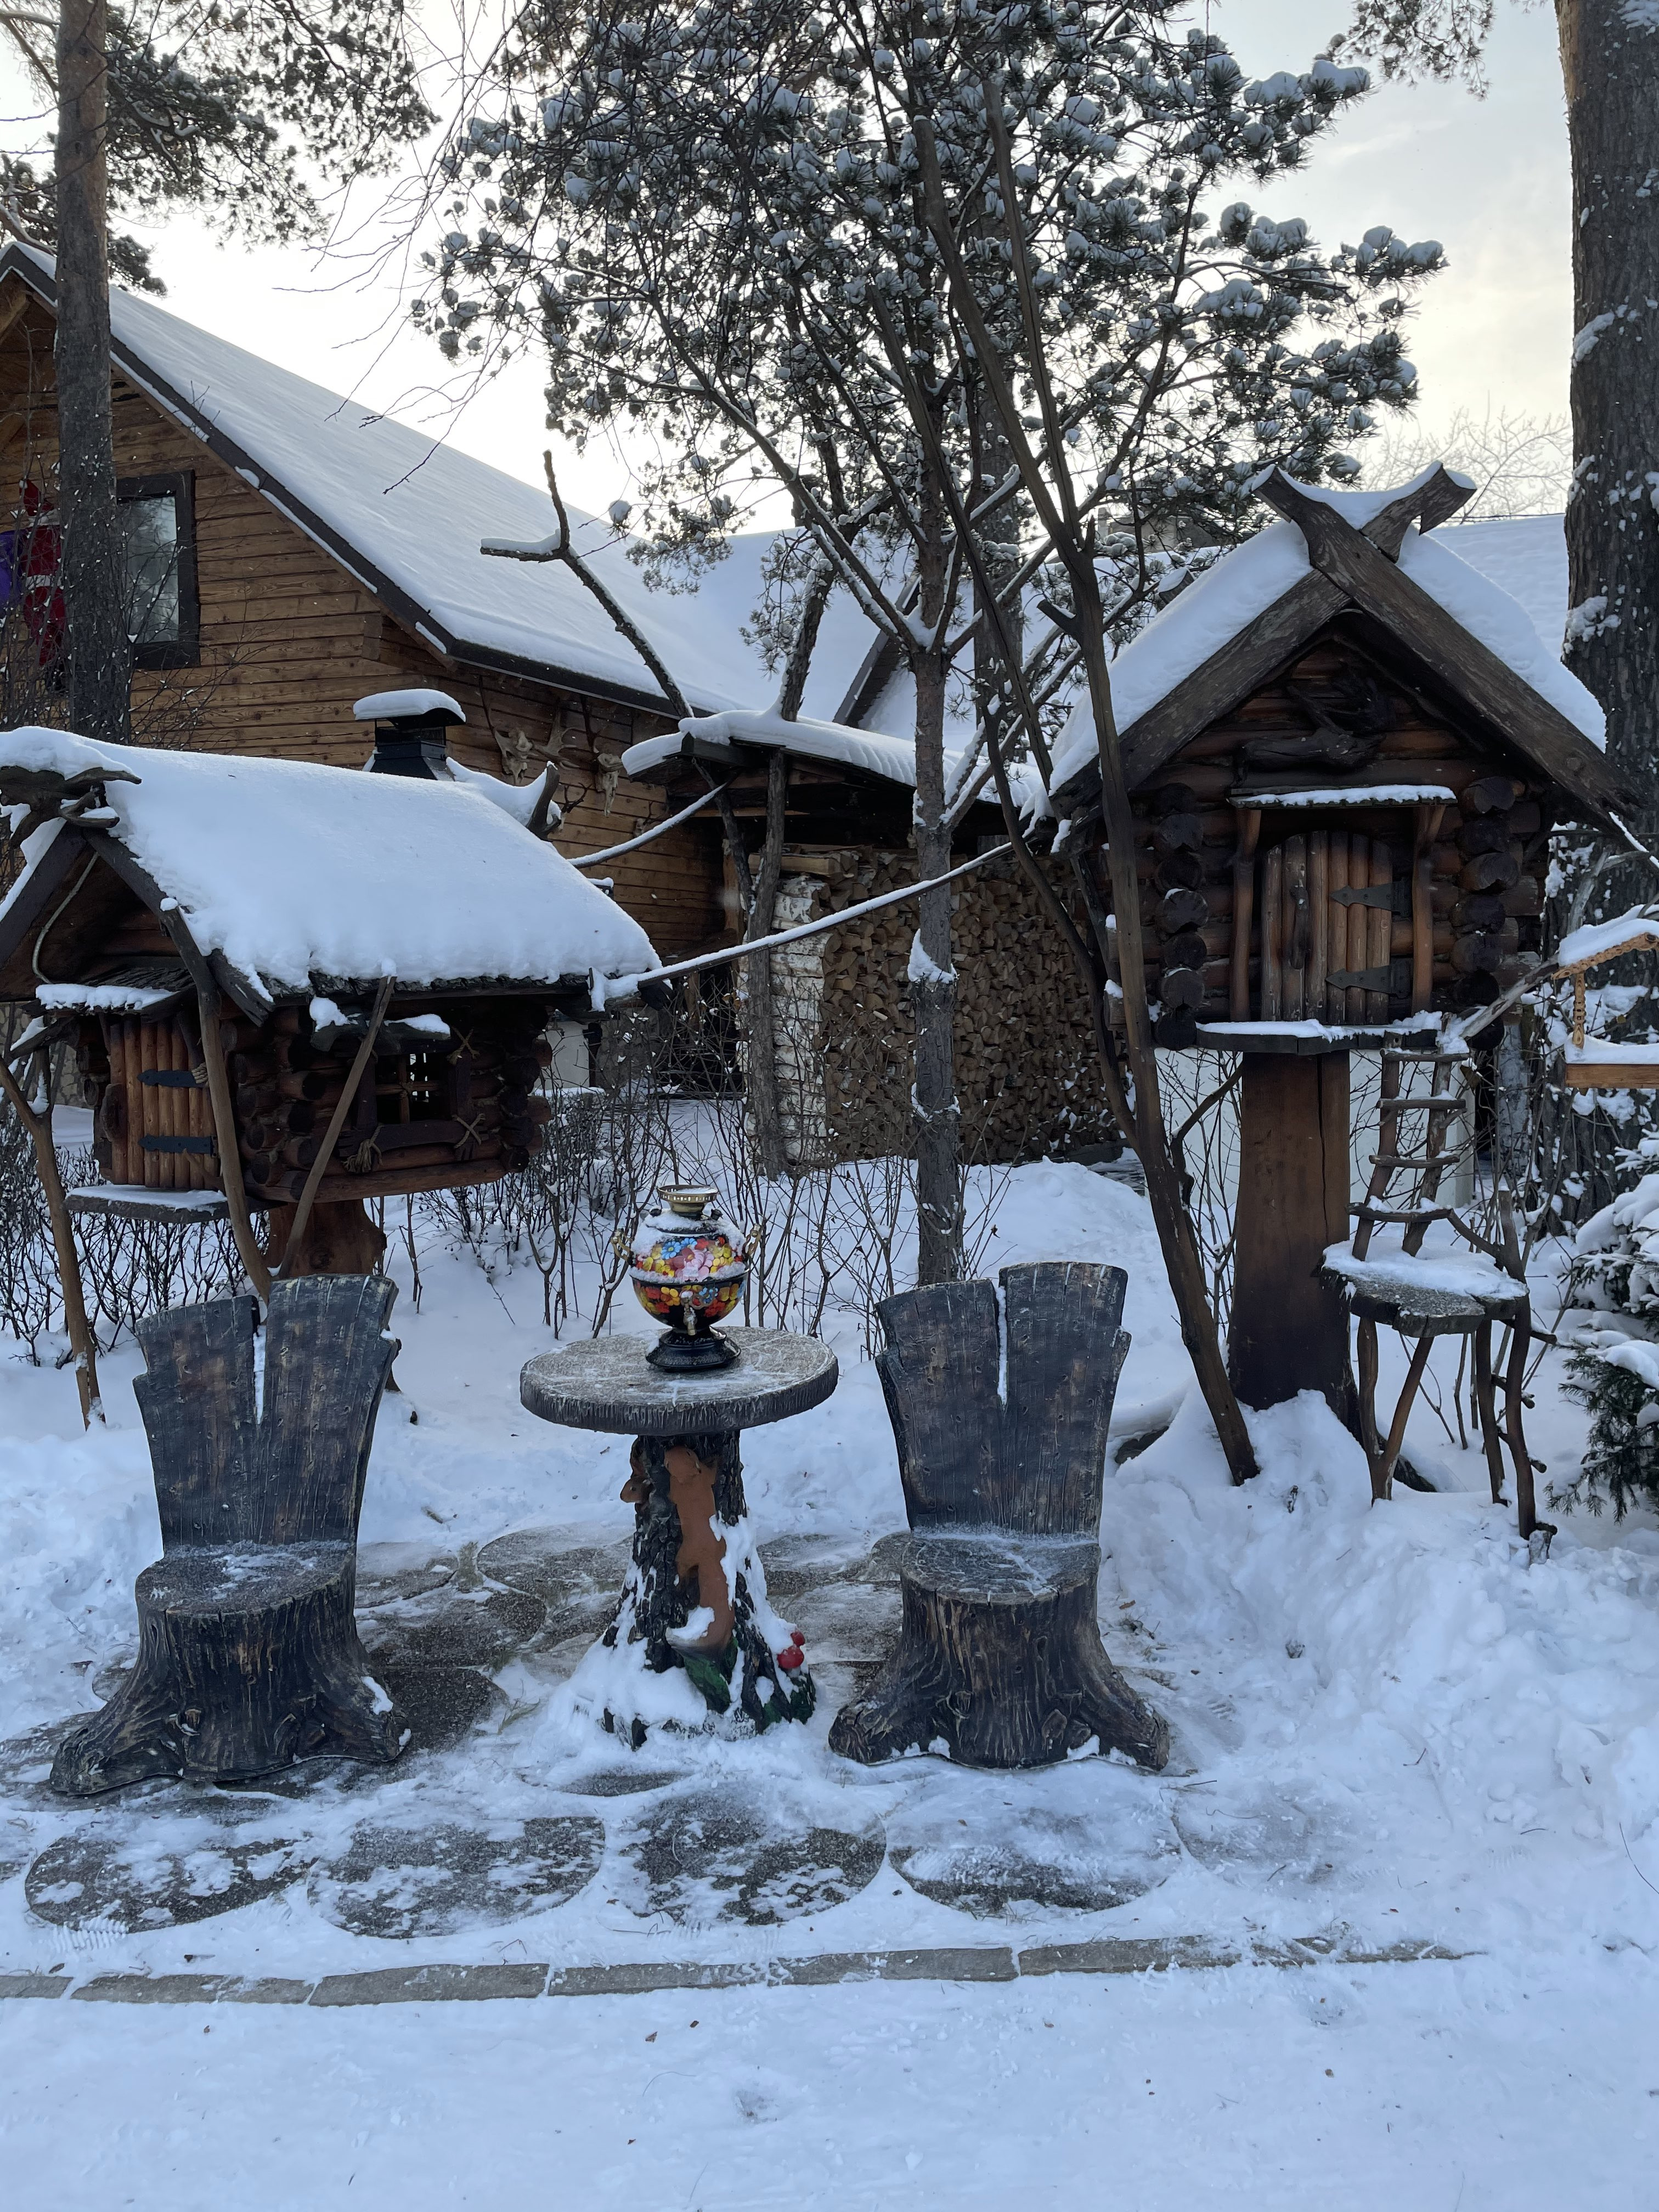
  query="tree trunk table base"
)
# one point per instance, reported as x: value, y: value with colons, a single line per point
x: 999, y: 1661
x: 695, y: 1644
x: 248, y: 1659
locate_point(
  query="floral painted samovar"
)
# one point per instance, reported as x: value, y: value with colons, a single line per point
x: 688, y: 1269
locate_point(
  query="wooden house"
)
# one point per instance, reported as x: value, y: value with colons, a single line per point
x: 1346, y: 750
x: 338, y: 981
x: 289, y: 550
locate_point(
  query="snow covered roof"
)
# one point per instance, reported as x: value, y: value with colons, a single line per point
x: 406, y: 515
x: 1212, y: 614
x: 289, y: 875
x: 868, y: 750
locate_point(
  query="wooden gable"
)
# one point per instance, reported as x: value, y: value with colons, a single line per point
x: 1345, y: 812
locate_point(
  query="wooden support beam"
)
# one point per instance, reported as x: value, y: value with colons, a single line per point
x: 1290, y: 1328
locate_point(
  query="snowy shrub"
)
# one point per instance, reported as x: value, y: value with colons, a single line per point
x: 1613, y: 1367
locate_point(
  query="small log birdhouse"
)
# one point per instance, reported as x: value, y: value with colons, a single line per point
x: 338, y: 981
x: 1346, y: 750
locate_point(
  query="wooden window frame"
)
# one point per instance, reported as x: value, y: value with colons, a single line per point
x: 184, y: 651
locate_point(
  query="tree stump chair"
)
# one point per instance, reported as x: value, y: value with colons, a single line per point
x: 248, y: 1655
x: 1000, y: 1395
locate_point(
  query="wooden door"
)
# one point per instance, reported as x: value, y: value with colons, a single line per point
x: 1343, y: 922
x: 156, y: 1112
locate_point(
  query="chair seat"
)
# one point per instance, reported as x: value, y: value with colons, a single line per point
x: 997, y: 1566
x: 1424, y: 1292
x: 242, y: 1577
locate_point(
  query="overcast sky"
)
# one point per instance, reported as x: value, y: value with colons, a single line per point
x: 1489, y: 178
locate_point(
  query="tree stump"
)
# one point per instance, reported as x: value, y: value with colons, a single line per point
x: 248, y: 1655
x: 1000, y: 1406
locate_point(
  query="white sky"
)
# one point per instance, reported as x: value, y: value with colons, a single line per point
x: 1489, y: 178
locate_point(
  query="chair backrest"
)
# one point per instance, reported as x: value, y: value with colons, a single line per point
x: 1001, y: 1396
x: 285, y: 1465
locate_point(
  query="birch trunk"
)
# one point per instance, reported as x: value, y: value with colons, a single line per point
x: 932, y: 986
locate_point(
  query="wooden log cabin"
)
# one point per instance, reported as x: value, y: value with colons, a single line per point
x: 1346, y: 750
x: 288, y: 551
x: 291, y: 984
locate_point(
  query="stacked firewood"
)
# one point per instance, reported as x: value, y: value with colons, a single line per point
x: 1026, y: 1071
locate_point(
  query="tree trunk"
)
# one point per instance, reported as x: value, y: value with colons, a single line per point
x: 760, y: 1074
x: 933, y: 980
x: 1610, y: 68
x: 100, y: 655
x: 1169, y: 1216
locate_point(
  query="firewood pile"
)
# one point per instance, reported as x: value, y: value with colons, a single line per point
x: 1026, y: 1070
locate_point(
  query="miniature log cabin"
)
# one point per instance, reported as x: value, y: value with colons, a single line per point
x: 340, y: 981
x: 1346, y: 751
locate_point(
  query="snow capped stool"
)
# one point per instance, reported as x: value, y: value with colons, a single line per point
x: 1467, y: 1290
x: 248, y: 1656
x: 1000, y: 1395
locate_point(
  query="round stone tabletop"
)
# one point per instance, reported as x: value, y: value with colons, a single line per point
x: 608, y: 1384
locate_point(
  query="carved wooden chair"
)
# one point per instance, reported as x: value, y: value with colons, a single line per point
x: 1001, y: 1396
x: 248, y: 1655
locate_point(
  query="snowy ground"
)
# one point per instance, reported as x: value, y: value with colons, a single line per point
x: 1390, y: 1728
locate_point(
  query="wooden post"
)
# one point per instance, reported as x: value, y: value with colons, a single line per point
x: 1359, y: 936
x: 1290, y: 1328
x: 1250, y: 829
x: 1319, y: 892
x: 1294, y: 933
x: 1336, y: 923
x: 1272, y: 931
x: 1379, y: 929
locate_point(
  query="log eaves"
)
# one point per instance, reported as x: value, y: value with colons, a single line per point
x: 1352, y: 572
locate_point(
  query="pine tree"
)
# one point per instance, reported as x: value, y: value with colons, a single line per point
x: 714, y: 220
x: 225, y: 111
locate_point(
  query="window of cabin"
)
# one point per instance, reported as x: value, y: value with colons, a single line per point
x: 158, y: 522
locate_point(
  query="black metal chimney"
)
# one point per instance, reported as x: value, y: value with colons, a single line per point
x: 410, y: 730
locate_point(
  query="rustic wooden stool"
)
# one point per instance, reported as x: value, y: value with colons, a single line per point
x: 1427, y: 1295
x: 248, y: 1656
x: 1000, y: 1395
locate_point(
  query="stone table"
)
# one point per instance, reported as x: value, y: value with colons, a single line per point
x: 694, y: 1636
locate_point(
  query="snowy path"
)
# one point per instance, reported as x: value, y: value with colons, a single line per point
x: 1477, y: 2088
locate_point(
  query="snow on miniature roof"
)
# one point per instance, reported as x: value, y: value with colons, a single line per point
x: 1245, y: 582
x: 388, y: 706
x: 1351, y: 794
x: 1599, y: 940
x: 807, y: 740
x: 291, y: 871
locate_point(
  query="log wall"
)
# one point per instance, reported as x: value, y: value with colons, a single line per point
x: 1468, y: 897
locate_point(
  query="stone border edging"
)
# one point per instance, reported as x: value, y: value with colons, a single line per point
x: 971, y: 1963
